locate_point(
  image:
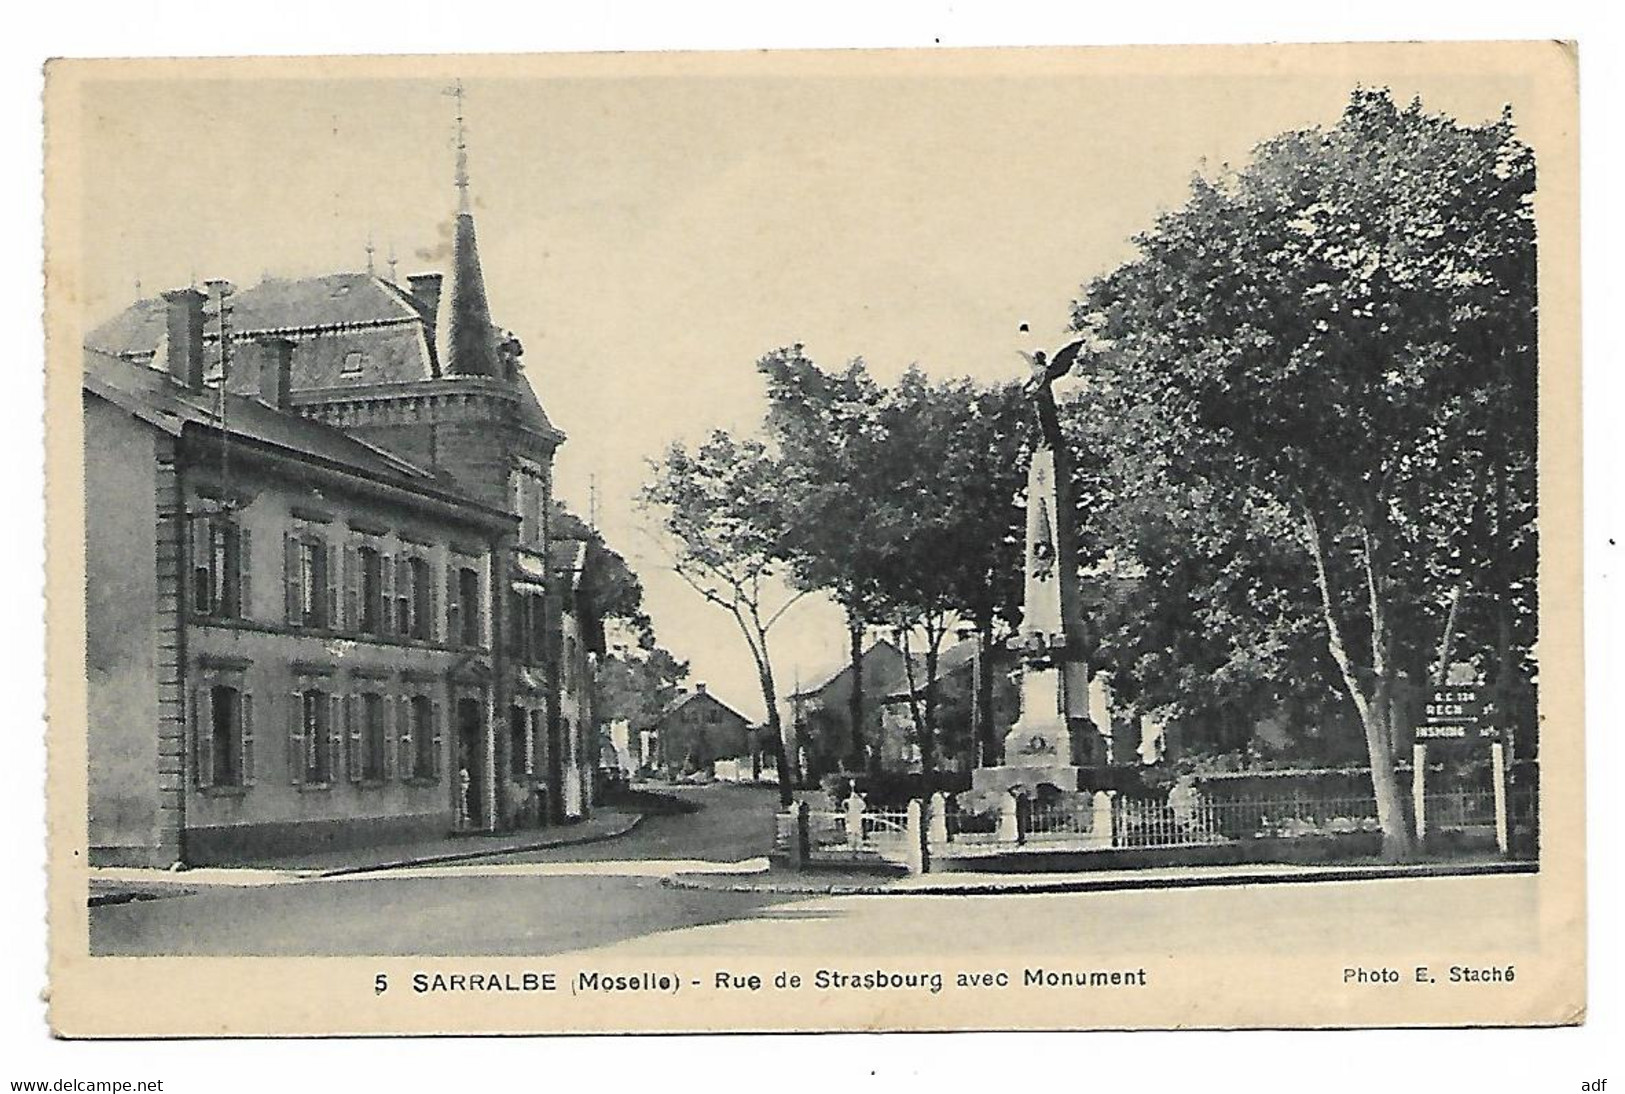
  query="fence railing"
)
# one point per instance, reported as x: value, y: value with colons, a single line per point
x: 1182, y: 818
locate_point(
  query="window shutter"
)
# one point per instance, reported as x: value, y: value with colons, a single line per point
x: 403, y: 739
x: 332, y: 585
x: 386, y: 582
x: 432, y: 631
x: 203, y: 737
x: 297, y: 760
x: 353, y: 724
x: 388, y: 730
x: 403, y: 593
x: 335, y: 738
x: 290, y: 578
x: 454, y: 618
x: 193, y: 557
x: 435, y: 722
x: 245, y: 754
x: 352, y: 590
x: 245, y: 571
x: 482, y: 617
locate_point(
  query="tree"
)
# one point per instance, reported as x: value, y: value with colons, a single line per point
x: 614, y: 589
x: 636, y: 686
x: 953, y: 452
x: 719, y: 509
x: 827, y: 429
x: 1342, y: 334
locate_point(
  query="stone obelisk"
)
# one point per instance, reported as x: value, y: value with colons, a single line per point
x: 1040, y: 748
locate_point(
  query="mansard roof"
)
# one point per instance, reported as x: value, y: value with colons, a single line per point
x: 336, y: 301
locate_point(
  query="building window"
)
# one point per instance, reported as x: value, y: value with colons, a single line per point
x: 310, y: 738
x: 354, y: 362
x: 536, y: 618
x: 422, y: 599
x: 401, y: 609
x: 310, y: 595
x: 467, y: 596
x: 219, y: 576
x: 223, y: 721
x: 519, y: 742
x: 368, y: 741
x: 420, y: 739
x: 371, y: 565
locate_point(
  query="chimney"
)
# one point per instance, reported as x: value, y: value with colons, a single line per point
x: 185, y: 333
x: 276, y: 372
x: 699, y: 688
x: 425, y: 289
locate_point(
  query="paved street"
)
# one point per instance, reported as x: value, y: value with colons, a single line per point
x: 1382, y: 919
x: 607, y: 897
x: 734, y: 822
x: 464, y: 911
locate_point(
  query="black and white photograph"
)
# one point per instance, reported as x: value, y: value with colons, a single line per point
x: 816, y: 540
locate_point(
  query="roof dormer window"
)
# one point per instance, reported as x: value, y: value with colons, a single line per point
x: 354, y: 362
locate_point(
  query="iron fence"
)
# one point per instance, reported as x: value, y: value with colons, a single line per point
x: 1182, y: 818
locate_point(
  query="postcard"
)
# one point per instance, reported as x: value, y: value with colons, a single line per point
x: 870, y: 540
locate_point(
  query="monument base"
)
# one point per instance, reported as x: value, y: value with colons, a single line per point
x: 1066, y: 778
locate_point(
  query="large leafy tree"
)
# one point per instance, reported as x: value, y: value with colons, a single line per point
x: 837, y: 506
x: 719, y: 507
x: 615, y: 590
x: 954, y: 456
x: 1341, y: 336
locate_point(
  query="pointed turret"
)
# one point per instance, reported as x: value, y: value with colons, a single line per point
x: 465, y: 339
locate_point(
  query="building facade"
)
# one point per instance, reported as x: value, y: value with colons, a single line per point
x: 440, y: 586
x: 287, y: 645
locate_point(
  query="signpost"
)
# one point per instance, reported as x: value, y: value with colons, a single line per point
x: 1454, y: 715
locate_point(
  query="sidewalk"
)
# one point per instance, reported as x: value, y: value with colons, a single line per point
x: 599, y: 826
x: 118, y: 884
x: 860, y: 883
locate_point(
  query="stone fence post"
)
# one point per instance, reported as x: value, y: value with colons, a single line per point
x: 855, y: 806
x: 1100, y: 825
x: 800, y: 836
x: 1010, y: 830
x: 916, y: 847
x: 938, y: 829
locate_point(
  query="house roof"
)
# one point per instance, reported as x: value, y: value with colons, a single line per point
x: 681, y: 701
x: 327, y: 302
x: 155, y: 397
x: 949, y: 661
x: 894, y: 681
x: 834, y: 674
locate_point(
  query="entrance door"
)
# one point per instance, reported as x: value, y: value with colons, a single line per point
x: 470, y: 771
x: 555, y: 772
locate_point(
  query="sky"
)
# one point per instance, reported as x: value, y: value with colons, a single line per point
x: 649, y: 228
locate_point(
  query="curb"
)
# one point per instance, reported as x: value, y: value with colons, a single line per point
x: 1106, y: 885
x: 464, y: 856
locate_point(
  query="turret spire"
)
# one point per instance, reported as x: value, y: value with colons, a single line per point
x: 461, y: 177
x: 465, y: 338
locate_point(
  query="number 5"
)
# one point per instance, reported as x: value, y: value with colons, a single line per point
x: 380, y: 984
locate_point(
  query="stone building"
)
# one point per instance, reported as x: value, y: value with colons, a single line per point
x: 418, y: 380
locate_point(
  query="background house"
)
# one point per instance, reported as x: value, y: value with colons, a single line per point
x: 821, y: 714
x: 694, y: 731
